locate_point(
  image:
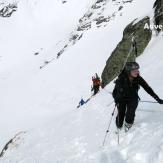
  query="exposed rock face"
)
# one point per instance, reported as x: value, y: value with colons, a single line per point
x: 95, y: 17
x: 135, y: 40
x: 13, y: 143
x: 6, y: 10
x: 158, y: 18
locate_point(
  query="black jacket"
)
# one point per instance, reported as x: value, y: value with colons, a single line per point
x: 126, y: 90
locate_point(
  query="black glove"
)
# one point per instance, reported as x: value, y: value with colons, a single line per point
x: 160, y: 101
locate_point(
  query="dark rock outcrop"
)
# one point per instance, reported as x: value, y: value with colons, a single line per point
x: 135, y: 40
x: 7, y: 10
x: 64, y: 2
x: 101, y: 19
x: 12, y: 143
x: 158, y: 17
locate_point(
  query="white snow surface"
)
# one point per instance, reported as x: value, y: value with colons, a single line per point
x: 43, y: 102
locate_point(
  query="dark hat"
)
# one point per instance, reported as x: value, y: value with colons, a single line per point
x: 131, y: 66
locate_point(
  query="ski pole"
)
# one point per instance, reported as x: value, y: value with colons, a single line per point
x: 107, y: 131
x: 148, y: 101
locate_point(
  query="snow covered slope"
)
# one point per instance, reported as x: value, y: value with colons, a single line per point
x: 43, y: 101
x: 77, y: 136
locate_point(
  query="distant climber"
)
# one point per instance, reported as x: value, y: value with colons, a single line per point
x: 96, y: 84
x: 125, y: 94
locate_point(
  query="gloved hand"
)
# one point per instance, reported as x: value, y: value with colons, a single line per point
x: 160, y: 101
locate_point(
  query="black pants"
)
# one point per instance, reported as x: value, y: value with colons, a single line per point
x: 126, y: 110
x: 96, y: 89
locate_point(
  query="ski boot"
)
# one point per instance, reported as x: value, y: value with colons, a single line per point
x: 127, y: 126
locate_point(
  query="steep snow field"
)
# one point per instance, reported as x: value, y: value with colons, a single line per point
x: 43, y: 102
x: 77, y: 135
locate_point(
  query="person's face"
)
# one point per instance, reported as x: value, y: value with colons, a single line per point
x: 134, y: 73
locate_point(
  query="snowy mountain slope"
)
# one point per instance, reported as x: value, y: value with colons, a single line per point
x: 37, y: 25
x: 21, y: 36
x: 46, y: 99
x: 101, y: 14
x: 77, y: 136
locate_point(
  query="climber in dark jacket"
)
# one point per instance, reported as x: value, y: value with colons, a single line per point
x: 96, y: 84
x: 125, y: 94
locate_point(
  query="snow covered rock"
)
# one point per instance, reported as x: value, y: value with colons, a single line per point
x: 6, y: 10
